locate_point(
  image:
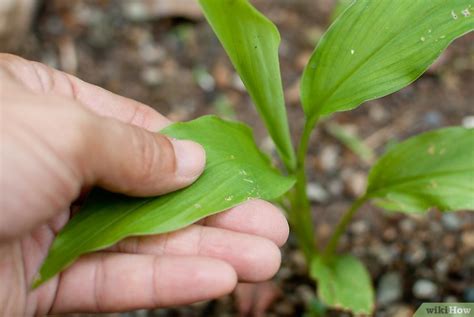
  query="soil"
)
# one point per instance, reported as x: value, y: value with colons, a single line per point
x: 176, y: 65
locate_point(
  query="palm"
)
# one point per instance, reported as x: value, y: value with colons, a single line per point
x: 25, y: 256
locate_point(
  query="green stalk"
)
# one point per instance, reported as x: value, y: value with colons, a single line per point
x: 300, y: 211
x: 341, y: 227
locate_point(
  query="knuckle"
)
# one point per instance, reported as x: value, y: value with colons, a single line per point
x: 8, y: 64
x: 36, y: 76
x: 139, y: 116
x: 149, y: 157
x: 44, y: 77
x: 99, y: 280
x: 9, y: 60
x: 80, y: 137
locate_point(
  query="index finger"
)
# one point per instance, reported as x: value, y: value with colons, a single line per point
x: 106, y: 103
x: 43, y: 79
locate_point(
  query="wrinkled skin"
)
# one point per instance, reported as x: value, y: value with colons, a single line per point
x: 59, y: 136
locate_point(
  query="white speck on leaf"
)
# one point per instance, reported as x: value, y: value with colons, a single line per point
x: 229, y: 198
x: 232, y: 157
x: 352, y: 52
x: 197, y: 206
x: 429, y: 31
x: 242, y: 172
x: 454, y: 15
x: 442, y: 36
x: 422, y: 38
x: 248, y: 180
x: 431, y: 150
x: 466, y: 12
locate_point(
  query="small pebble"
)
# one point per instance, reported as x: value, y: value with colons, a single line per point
x: 390, y: 289
x: 407, y: 225
x: 449, y: 241
x: 467, y: 239
x: 204, y: 79
x: 378, y: 113
x: 433, y: 118
x: 355, y: 181
x: 284, y: 273
x: 435, y: 227
x: 442, y: 267
x: 469, y: 294
x: 385, y: 255
x: 324, y: 230
x: 268, y: 146
x: 152, y: 76
x: 336, y: 187
x: 306, y: 293
x: 390, y: 234
x: 451, y: 221
x: 416, y: 253
x: 451, y: 299
x: 151, y: 53
x: 468, y: 122
x: 359, y: 227
x: 317, y: 193
x: 299, y: 262
x: 425, y: 289
x: 237, y: 83
x: 329, y: 158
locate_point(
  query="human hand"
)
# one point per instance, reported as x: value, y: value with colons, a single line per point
x: 60, y: 135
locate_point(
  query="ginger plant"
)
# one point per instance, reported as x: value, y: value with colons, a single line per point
x: 372, y: 49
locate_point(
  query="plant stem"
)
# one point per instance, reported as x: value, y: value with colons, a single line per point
x: 300, y: 212
x: 342, y: 226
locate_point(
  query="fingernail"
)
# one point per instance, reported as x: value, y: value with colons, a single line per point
x: 190, y: 158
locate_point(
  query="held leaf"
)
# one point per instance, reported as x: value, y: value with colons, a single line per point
x: 235, y: 172
x: 251, y: 42
x: 343, y: 283
x: 378, y: 47
x: 433, y: 169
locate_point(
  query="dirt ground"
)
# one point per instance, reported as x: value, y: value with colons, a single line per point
x: 175, y: 64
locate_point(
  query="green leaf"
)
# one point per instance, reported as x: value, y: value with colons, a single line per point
x: 251, y: 41
x: 378, y: 47
x: 235, y: 172
x: 433, y: 169
x: 343, y: 283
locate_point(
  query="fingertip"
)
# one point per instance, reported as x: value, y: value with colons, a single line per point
x: 200, y: 278
x: 279, y: 229
x: 218, y: 272
x: 256, y: 217
x: 190, y: 159
x: 264, y: 259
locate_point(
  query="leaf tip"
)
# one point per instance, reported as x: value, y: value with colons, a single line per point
x: 37, y: 281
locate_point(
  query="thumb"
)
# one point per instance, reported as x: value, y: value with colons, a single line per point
x: 50, y: 147
x: 130, y: 160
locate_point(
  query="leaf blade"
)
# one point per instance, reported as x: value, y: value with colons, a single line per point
x: 378, y: 47
x: 235, y: 171
x: 251, y: 42
x: 343, y: 283
x: 431, y: 170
